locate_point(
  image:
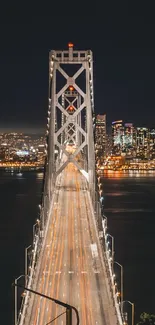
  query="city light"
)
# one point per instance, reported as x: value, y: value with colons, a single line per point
x: 127, y: 147
x: 20, y: 150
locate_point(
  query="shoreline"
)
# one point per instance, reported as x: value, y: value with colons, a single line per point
x: 99, y: 171
x: 22, y: 168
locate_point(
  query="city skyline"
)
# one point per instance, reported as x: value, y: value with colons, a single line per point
x: 28, y: 130
x: 42, y: 130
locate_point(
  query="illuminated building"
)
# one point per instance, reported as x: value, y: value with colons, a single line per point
x: 100, y: 135
x: 123, y: 139
x: 117, y: 137
x: 128, y: 134
x: 152, y: 144
x: 142, y: 142
x: 129, y: 140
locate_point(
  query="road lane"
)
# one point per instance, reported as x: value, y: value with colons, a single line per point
x: 70, y: 268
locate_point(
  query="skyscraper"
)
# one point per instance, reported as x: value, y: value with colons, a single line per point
x: 129, y: 140
x: 100, y: 135
x: 152, y: 143
x: 123, y: 138
x: 142, y: 142
x: 117, y: 136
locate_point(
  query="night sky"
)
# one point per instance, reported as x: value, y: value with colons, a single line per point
x: 123, y: 44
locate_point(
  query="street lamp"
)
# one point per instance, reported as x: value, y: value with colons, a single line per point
x: 26, y: 249
x: 112, y: 240
x: 34, y: 226
x: 16, y: 280
x: 68, y: 307
x: 121, y: 285
x: 41, y: 212
x: 105, y: 221
x: 133, y: 308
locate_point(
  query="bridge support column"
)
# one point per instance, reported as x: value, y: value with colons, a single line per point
x: 68, y: 316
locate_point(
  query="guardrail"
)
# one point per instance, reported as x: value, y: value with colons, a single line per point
x: 38, y: 243
x: 112, y: 278
x: 101, y: 222
x: 29, y: 284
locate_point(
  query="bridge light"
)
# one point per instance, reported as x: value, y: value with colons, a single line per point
x: 71, y: 88
x: 71, y: 108
x: 70, y: 45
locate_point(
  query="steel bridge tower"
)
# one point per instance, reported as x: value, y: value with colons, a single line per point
x: 71, y: 104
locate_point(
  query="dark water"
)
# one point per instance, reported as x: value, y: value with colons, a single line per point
x: 130, y: 208
x: 19, y: 198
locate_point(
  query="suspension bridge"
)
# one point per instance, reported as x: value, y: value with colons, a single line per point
x: 70, y: 260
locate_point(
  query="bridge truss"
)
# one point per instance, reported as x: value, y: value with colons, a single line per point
x: 70, y: 113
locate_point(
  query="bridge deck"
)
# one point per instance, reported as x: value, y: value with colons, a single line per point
x: 71, y: 266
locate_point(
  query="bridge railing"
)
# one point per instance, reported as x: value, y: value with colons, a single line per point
x: 36, y: 247
x: 101, y: 221
x: 38, y: 243
x: 29, y: 279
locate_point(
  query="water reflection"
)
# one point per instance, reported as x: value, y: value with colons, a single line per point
x: 39, y: 175
x: 129, y: 206
x: 126, y: 174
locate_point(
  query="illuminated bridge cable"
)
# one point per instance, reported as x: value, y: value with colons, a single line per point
x: 68, y: 307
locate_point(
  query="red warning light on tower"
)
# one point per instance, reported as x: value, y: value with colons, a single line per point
x: 70, y: 45
x: 71, y: 88
x: 71, y: 108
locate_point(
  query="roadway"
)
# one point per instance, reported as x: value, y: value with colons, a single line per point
x: 71, y: 267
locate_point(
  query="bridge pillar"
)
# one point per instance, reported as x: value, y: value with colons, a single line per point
x: 68, y: 316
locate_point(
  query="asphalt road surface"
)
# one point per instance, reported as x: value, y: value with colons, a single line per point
x: 71, y: 267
